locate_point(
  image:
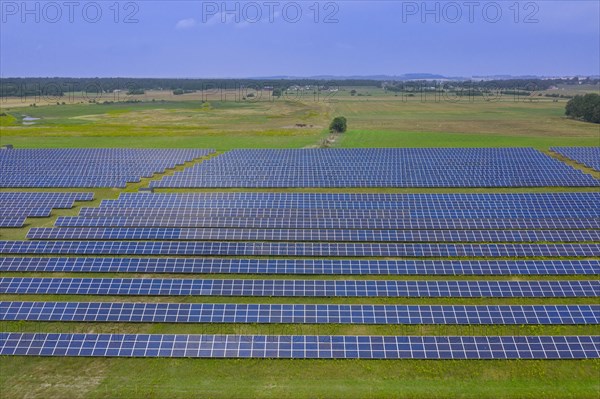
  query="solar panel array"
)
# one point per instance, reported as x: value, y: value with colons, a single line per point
x: 301, y: 288
x: 190, y: 221
x: 195, y: 248
x: 92, y: 167
x: 588, y: 156
x: 300, y: 266
x: 381, y: 167
x: 416, y: 218
x: 314, y: 314
x: 300, y: 346
x: 15, y: 207
x: 181, y: 233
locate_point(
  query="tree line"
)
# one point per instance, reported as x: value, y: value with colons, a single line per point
x: 57, y: 87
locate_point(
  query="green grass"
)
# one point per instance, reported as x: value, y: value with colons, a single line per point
x: 220, y: 142
x: 379, y: 120
x: 378, y: 138
x: 194, y: 378
x: 395, y: 123
x: 220, y: 125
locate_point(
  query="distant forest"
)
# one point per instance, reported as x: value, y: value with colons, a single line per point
x: 59, y: 86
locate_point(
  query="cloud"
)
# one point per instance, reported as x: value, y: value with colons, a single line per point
x: 187, y: 23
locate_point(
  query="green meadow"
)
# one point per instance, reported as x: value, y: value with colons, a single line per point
x: 379, y: 120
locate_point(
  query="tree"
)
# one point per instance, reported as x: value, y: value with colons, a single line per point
x: 136, y: 92
x: 338, y: 125
x: 352, y: 92
x: 586, y: 107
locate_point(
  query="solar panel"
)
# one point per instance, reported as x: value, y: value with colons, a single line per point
x: 178, y: 202
x: 98, y: 167
x: 341, y: 213
x: 58, y: 204
x: 25, y: 211
x: 555, y: 198
x: 297, y: 313
x: 166, y: 219
x: 300, y: 267
x: 207, y: 234
x: 12, y: 221
x: 15, y: 207
x: 301, y: 346
x: 587, y: 156
x: 8, y: 196
x: 301, y: 288
x: 296, y: 249
x: 380, y: 167
x: 472, y: 208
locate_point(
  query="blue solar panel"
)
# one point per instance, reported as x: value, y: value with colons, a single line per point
x: 345, y: 211
x: 314, y: 204
x: 381, y: 167
x: 342, y: 213
x: 87, y: 167
x: 296, y: 249
x: 12, y: 221
x: 301, y: 267
x: 166, y: 219
x: 26, y: 211
x: 556, y: 198
x: 204, y: 234
x: 301, y: 288
x: 10, y: 196
x: 58, y: 204
x: 15, y: 207
x: 587, y: 156
x: 300, y: 346
x: 296, y: 313
x: 424, y: 206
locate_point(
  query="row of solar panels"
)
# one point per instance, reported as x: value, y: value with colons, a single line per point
x: 193, y: 221
x: 88, y: 167
x: 389, y: 167
x: 305, y: 182
x: 397, y: 213
x: 368, y: 205
x: 301, y: 346
x: 192, y: 248
x: 459, y: 167
x: 551, y: 198
x: 588, y: 156
x: 299, y: 313
x: 302, y: 288
x: 208, y: 234
x: 300, y: 267
x: 450, y: 201
x: 326, y: 211
x: 16, y: 207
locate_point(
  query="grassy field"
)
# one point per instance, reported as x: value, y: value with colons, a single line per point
x: 375, y: 119
x: 379, y: 120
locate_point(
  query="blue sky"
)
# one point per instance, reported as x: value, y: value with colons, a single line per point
x: 265, y: 38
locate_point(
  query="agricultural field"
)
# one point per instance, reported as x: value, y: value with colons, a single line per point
x: 225, y: 121
x: 375, y: 119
